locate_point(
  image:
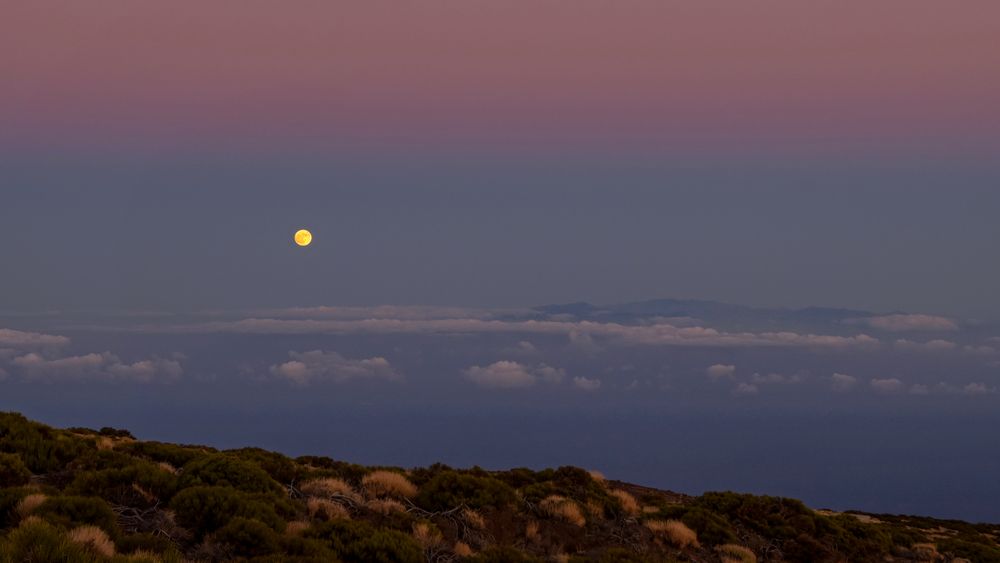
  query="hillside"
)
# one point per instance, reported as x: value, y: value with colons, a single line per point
x: 86, y: 495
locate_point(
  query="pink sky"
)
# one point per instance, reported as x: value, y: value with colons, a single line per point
x: 587, y: 72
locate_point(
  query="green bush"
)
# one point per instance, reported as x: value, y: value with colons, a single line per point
x: 13, y: 471
x: 175, y: 455
x: 449, y: 489
x: 39, y: 541
x: 42, y: 449
x: 73, y: 511
x: 361, y: 542
x: 227, y: 471
x: 9, y: 499
x: 206, y: 509
x: 504, y: 554
x: 248, y: 538
x: 116, y: 484
x: 281, y: 468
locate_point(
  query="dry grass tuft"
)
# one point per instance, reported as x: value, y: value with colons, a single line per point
x: 29, y: 503
x: 324, y: 509
x: 531, y: 531
x: 595, y: 509
x: 388, y: 484
x: 385, y: 506
x: 650, y: 509
x: 168, y: 468
x: 473, y: 518
x: 93, y: 538
x: 732, y: 553
x: 628, y: 502
x: 563, y: 509
x: 926, y: 551
x: 462, y: 549
x: 560, y: 558
x: 296, y: 527
x: 428, y: 537
x: 674, y: 531
x: 141, y: 555
x: 598, y: 476
x: 104, y: 443
x: 330, y: 487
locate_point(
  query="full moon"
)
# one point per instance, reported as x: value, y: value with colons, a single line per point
x: 303, y: 237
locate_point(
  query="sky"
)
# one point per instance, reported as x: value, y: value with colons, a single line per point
x: 821, y: 175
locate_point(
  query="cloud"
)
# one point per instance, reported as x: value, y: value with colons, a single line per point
x: 29, y: 340
x: 502, y: 374
x: 745, y: 389
x: 718, y: 371
x: 403, y: 312
x: 550, y: 374
x: 977, y: 389
x: 903, y: 323
x: 103, y: 366
x: 581, y: 333
x: 774, y: 378
x: 842, y: 382
x: 587, y: 384
x: 930, y: 346
x: 317, y: 365
x: 919, y: 389
x: 890, y: 385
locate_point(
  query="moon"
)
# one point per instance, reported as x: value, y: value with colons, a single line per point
x: 303, y: 237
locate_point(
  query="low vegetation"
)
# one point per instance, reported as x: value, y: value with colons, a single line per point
x: 81, y: 495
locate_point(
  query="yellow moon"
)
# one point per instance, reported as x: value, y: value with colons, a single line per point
x: 303, y: 237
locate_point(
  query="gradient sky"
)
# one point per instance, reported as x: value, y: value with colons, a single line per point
x: 156, y: 158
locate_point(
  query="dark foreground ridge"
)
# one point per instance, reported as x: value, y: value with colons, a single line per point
x: 85, y: 495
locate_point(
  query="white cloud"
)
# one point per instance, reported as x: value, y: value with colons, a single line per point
x: 842, y: 382
x: 745, y: 389
x: 774, y: 378
x: 903, y: 323
x: 919, y: 389
x: 317, y: 365
x: 718, y: 371
x: 889, y: 385
x: 977, y: 389
x: 587, y: 384
x: 581, y: 333
x: 550, y: 374
x: 502, y: 374
x: 104, y: 366
x: 28, y: 340
x: 930, y: 346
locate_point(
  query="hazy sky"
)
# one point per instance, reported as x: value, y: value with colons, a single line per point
x: 156, y: 158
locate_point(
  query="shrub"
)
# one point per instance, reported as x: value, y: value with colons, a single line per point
x: 281, y: 468
x: 94, y: 539
x: 629, y: 506
x: 563, y: 509
x: 462, y: 549
x: 227, y: 471
x: 504, y: 554
x: 388, y: 484
x: 325, y: 509
x: 674, y: 531
x: 361, y: 542
x: 330, y: 487
x: 36, y: 540
x: 138, y: 483
x: 206, y: 509
x: 10, y: 499
x: 29, y: 504
x: 42, y: 449
x: 72, y: 511
x: 13, y: 471
x: 248, y: 538
x: 732, y: 553
x: 175, y: 455
x: 385, y: 506
x: 449, y: 489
